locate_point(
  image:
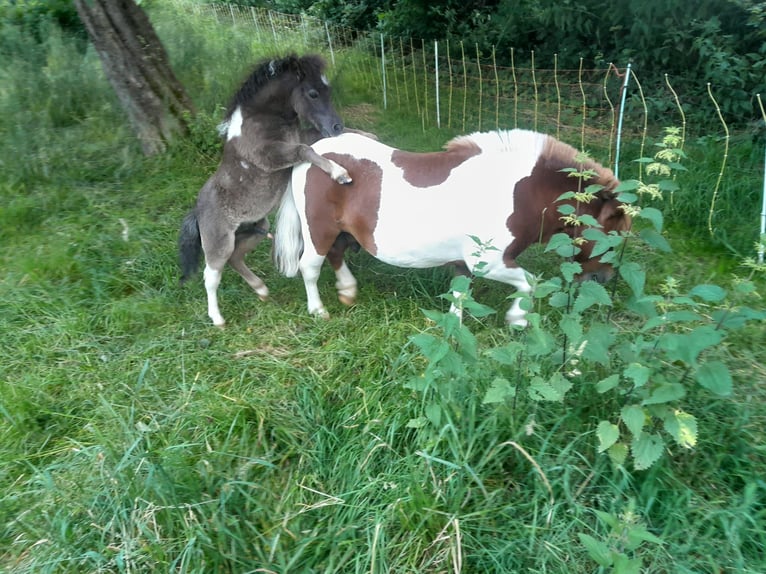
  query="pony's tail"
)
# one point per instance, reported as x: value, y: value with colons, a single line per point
x: 189, y: 246
x: 288, y: 238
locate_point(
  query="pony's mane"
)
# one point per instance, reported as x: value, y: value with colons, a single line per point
x: 270, y: 68
x: 557, y: 155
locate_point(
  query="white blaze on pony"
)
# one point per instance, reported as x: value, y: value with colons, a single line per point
x: 421, y: 210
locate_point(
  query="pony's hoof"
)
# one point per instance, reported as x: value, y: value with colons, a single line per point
x: 263, y: 297
x: 345, y: 180
x: 321, y: 314
x: 347, y: 300
x: 522, y: 323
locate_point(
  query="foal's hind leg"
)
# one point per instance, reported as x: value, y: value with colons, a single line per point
x: 245, y: 242
x: 218, y: 248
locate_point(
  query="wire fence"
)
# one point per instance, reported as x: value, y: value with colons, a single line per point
x: 456, y: 88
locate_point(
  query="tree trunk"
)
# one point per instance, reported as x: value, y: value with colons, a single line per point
x: 136, y: 64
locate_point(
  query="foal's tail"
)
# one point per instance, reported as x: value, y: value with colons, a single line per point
x: 189, y: 246
x: 288, y: 238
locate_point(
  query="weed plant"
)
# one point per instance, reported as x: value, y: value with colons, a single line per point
x: 137, y: 438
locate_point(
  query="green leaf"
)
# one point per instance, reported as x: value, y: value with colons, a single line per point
x: 499, y: 391
x: 665, y: 393
x: 566, y: 195
x: 627, y: 185
x: 507, y: 354
x: 638, y: 534
x: 417, y: 423
x: 634, y: 276
x: 559, y: 299
x: 655, y: 240
x: 558, y: 240
x: 634, y: 418
x: 646, y: 449
x: 539, y: 342
x: 569, y: 269
x: 599, y: 339
x: 567, y: 250
x: 607, y: 384
x: 591, y: 293
x: 433, y: 348
x: 618, y: 453
x: 709, y: 293
x: 623, y: 564
x: 597, y: 550
x: 715, y: 377
x: 682, y: 427
x: 654, y: 216
x: 433, y: 413
x: 566, y: 209
x: 550, y: 390
x: 638, y: 373
x: 608, y: 434
x: 547, y: 287
x: 571, y: 327
x: 589, y: 220
x: 687, y: 347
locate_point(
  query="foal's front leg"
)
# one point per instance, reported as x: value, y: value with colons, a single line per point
x: 336, y: 172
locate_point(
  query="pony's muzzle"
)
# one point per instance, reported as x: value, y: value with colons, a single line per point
x: 602, y: 275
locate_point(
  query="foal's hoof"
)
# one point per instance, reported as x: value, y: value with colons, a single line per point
x: 263, y: 297
x: 345, y: 180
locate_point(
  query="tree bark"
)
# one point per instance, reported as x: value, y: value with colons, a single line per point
x: 136, y: 64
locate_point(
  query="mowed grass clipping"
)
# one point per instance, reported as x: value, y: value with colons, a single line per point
x: 138, y: 438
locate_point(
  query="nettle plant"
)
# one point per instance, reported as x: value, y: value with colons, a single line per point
x: 644, y: 363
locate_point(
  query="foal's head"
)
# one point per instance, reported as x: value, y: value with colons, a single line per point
x: 293, y: 86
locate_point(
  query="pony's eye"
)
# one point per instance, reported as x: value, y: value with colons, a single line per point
x: 313, y: 94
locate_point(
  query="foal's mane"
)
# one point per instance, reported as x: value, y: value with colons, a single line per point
x: 271, y: 68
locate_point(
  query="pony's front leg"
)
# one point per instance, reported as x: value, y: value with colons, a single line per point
x: 516, y: 276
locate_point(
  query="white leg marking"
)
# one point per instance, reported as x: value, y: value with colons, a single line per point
x: 311, y: 265
x: 339, y: 173
x: 212, y: 280
x: 346, y: 285
x: 515, y: 276
x: 454, y: 309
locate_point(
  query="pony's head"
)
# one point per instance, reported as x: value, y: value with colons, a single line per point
x: 560, y: 169
x: 293, y: 87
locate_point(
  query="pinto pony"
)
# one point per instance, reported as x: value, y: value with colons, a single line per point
x: 265, y: 136
x: 425, y: 209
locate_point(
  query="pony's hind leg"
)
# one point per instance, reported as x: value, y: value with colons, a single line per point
x: 247, y: 237
x: 345, y: 282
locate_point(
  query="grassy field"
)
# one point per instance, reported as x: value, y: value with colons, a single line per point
x: 136, y: 437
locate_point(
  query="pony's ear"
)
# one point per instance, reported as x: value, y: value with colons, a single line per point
x: 273, y: 68
x: 609, y: 208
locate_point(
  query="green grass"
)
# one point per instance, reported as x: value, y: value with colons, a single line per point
x: 138, y: 438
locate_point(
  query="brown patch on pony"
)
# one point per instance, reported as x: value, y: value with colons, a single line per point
x: 332, y: 208
x: 433, y: 168
x: 535, y: 217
